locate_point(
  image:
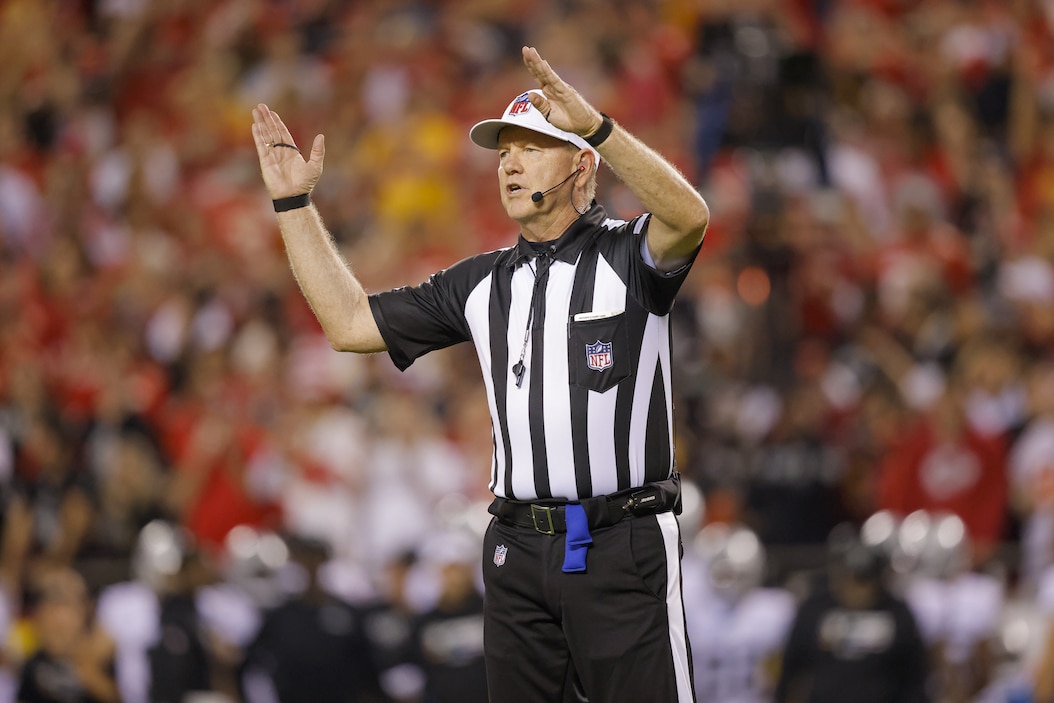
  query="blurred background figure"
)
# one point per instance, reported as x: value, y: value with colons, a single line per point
x: 1020, y: 655
x: 853, y: 634
x: 1032, y: 478
x: 413, y: 465
x: 736, y: 624
x: 13, y: 648
x: 74, y: 657
x: 51, y: 505
x: 1036, y: 651
x: 958, y: 608
x: 389, y: 618
x: 311, y: 645
x: 171, y: 626
x: 792, y: 494
x: 945, y: 463
x: 447, y: 632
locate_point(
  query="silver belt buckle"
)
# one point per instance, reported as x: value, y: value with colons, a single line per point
x: 545, y: 523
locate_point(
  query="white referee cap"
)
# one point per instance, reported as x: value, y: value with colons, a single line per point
x: 521, y: 113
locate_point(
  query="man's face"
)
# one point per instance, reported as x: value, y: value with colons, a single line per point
x: 529, y: 162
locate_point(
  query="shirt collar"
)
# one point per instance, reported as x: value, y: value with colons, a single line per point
x: 568, y: 245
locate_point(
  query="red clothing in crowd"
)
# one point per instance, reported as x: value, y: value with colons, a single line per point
x: 212, y: 479
x: 966, y: 476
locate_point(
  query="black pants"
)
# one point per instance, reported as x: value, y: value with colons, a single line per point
x: 614, y: 633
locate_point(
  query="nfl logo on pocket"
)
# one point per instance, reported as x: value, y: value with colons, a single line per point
x: 598, y: 355
x: 499, y: 554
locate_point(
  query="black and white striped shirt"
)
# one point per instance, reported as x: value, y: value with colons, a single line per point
x: 593, y: 412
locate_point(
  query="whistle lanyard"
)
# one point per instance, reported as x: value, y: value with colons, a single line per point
x: 545, y: 260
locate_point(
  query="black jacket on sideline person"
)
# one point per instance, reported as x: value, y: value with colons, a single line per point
x: 865, y: 655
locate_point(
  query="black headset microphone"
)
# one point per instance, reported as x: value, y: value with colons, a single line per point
x: 537, y: 195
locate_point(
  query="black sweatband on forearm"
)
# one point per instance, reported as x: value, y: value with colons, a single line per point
x: 603, y: 132
x: 292, y: 202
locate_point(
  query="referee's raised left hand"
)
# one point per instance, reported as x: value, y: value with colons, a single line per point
x: 286, y: 172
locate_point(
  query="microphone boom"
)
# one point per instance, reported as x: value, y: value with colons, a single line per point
x: 537, y: 195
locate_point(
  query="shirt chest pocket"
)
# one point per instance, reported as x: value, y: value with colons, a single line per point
x: 598, y: 350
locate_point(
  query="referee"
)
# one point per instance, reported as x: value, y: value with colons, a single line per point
x: 571, y: 326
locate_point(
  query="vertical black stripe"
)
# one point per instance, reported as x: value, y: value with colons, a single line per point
x: 536, y: 402
x: 637, y: 321
x: 500, y: 305
x: 657, y: 434
x: 623, y: 414
x: 581, y: 301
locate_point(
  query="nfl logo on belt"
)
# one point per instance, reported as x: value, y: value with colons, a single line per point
x: 598, y: 355
x: 499, y: 554
x: 520, y: 105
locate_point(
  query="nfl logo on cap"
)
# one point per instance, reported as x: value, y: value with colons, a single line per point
x: 520, y: 105
x: 521, y: 112
x: 598, y: 355
x: 499, y: 554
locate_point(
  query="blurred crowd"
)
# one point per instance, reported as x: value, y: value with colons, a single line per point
x: 869, y: 326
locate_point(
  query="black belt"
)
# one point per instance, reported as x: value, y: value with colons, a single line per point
x: 548, y: 518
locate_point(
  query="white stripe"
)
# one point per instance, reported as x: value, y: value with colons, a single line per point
x: 599, y: 425
x: 640, y: 223
x: 609, y: 293
x: 477, y: 313
x: 638, y: 424
x: 675, y: 607
x: 559, y: 447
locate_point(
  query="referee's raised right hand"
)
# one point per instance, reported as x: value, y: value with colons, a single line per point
x: 286, y: 172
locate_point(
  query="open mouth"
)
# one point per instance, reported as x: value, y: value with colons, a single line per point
x: 512, y: 189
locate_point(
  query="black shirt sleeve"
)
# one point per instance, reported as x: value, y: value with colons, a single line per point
x: 655, y: 290
x: 416, y: 320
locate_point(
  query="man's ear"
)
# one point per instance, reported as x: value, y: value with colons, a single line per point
x: 587, y: 158
x: 586, y: 161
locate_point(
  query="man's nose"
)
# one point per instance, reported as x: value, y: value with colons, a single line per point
x: 511, y: 163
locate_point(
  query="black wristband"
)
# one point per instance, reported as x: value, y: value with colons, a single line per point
x: 603, y: 132
x: 292, y: 202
